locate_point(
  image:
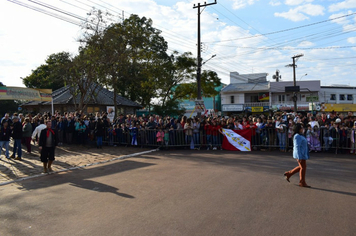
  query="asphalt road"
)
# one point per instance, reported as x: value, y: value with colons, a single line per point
x: 187, y: 193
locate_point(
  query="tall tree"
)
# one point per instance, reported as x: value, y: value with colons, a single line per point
x: 85, y: 74
x: 209, y: 82
x: 134, y: 51
x: 179, y: 69
x: 50, y: 75
x: 83, y: 79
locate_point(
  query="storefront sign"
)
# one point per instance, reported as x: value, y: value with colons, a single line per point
x: 289, y: 107
x: 16, y: 93
x: 199, y: 106
x: 236, y: 107
x: 312, y: 99
x: 257, y: 109
x: 338, y: 107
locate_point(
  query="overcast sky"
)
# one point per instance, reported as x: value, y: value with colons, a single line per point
x: 247, y: 36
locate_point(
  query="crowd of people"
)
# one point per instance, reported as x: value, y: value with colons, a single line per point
x: 324, y: 131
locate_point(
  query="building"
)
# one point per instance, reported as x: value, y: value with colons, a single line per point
x: 337, y: 98
x: 246, y: 93
x: 65, y: 101
x: 253, y: 94
x: 306, y: 97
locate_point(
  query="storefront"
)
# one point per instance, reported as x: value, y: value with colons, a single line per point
x: 342, y: 108
x: 257, y: 110
x: 232, y: 109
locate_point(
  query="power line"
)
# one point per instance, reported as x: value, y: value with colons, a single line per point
x: 285, y: 30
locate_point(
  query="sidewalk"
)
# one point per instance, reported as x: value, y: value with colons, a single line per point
x: 67, y: 157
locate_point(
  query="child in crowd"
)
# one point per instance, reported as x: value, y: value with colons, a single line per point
x: 327, y: 138
x: 314, y: 139
x: 160, y: 136
x: 166, y: 138
x: 308, y: 135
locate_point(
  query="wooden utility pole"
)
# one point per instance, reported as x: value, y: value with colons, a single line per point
x: 295, y: 98
x: 199, y: 50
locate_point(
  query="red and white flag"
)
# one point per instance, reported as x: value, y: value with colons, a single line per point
x: 237, y: 140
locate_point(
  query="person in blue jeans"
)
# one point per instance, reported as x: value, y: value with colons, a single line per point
x: 99, y: 133
x: 5, y: 134
x: 17, y: 136
x: 281, y: 128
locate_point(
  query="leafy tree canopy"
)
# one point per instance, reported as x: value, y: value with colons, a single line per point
x: 50, y: 75
x: 209, y: 82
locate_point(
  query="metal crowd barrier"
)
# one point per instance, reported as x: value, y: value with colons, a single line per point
x: 324, y: 139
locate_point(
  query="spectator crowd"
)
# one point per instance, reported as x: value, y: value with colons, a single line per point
x: 325, y: 131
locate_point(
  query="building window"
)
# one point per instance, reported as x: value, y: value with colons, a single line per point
x: 332, y: 97
x: 342, y: 97
x: 232, y: 99
x: 254, y: 98
x: 350, y: 97
x: 281, y: 98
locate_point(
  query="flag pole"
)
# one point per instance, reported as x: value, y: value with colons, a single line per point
x: 52, y: 105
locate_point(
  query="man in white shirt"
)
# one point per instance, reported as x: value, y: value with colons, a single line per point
x: 38, y: 130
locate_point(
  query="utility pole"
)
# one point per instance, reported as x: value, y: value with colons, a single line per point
x: 296, y: 89
x: 199, y: 51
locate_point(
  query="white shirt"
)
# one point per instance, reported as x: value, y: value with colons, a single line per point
x: 38, y: 130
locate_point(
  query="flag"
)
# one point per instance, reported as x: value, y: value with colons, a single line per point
x: 263, y: 97
x: 237, y: 140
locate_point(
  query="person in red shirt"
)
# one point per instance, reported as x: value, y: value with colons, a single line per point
x: 215, y: 133
x: 208, y: 130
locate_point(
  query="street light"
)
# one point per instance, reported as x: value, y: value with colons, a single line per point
x: 209, y: 59
x: 302, y: 77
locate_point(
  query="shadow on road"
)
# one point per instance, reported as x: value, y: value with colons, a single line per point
x: 98, y: 187
x: 80, y: 177
x: 275, y: 163
x: 335, y: 191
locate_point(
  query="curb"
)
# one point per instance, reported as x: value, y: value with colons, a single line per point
x: 78, y: 167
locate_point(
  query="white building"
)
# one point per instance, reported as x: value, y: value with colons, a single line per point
x: 283, y: 101
x: 244, y: 92
x: 254, y: 94
x: 338, y: 98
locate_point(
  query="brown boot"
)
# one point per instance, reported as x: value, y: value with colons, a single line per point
x: 303, y: 170
x: 304, y: 185
x: 289, y: 174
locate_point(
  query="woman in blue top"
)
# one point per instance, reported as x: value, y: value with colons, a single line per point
x: 301, y: 153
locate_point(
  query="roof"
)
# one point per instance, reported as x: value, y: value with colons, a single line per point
x: 305, y: 86
x: 246, y: 87
x: 338, y: 87
x: 103, y: 97
x: 248, y: 78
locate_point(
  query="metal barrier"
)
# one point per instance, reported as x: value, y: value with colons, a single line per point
x: 324, y: 139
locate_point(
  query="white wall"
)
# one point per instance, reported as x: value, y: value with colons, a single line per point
x: 325, y: 95
x: 238, y: 97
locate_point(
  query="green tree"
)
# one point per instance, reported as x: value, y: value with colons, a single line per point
x: 134, y: 52
x: 83, y: 79
x: 209, y: 82
x: 84, y: 74
x: 50, y: 75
